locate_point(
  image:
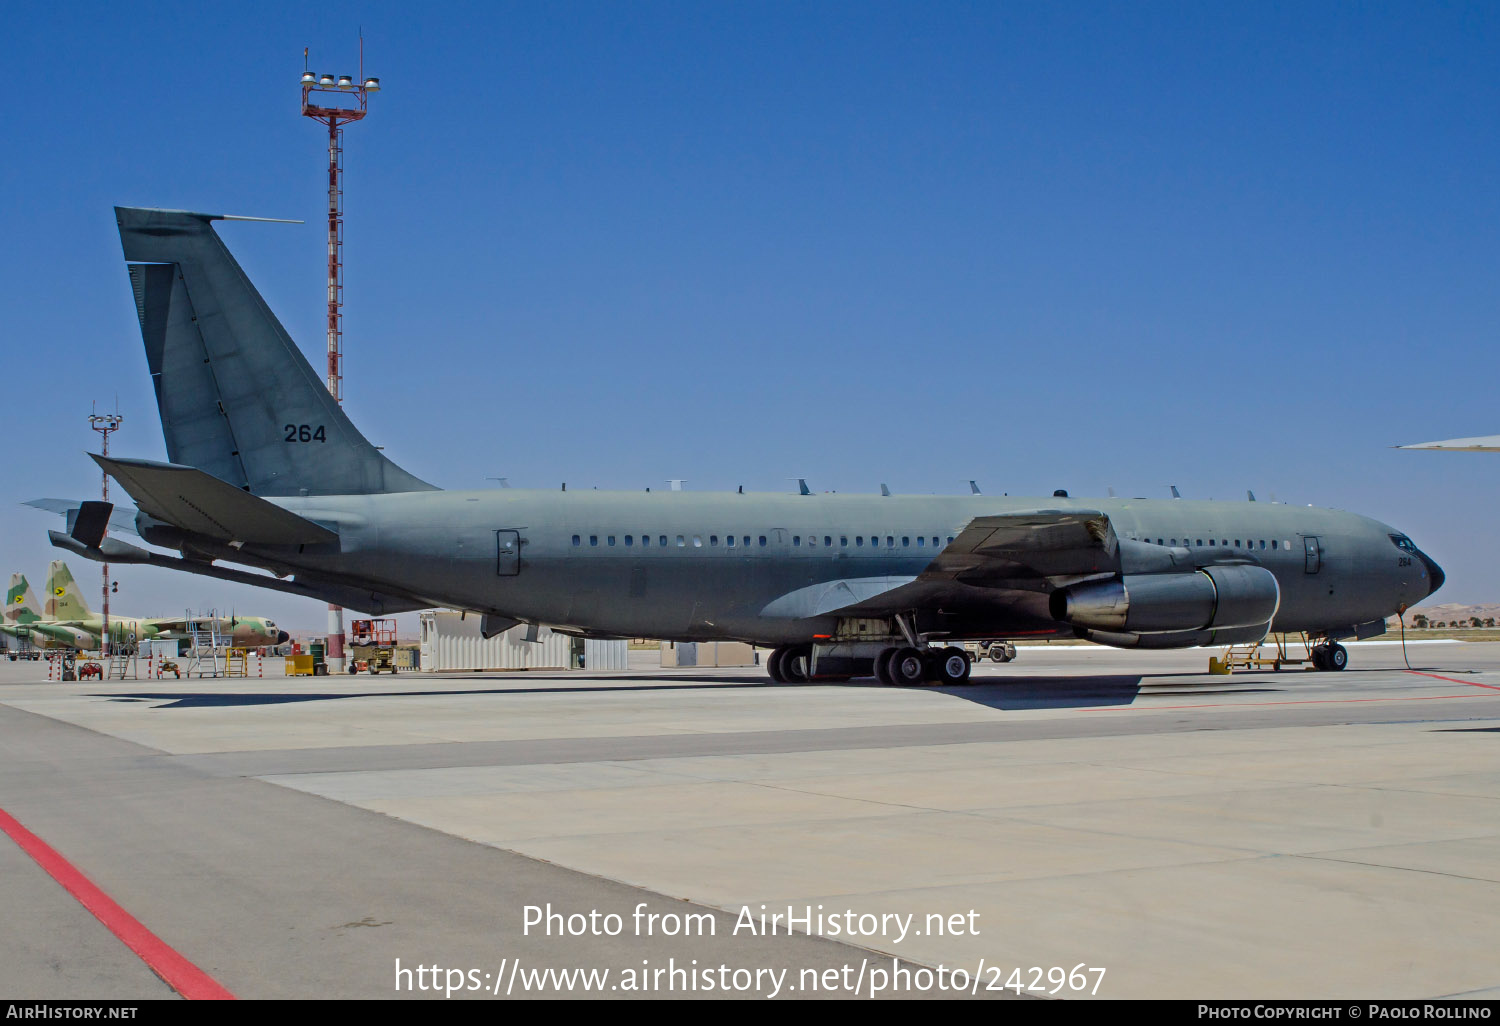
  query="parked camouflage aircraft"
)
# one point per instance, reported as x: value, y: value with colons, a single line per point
x: 21, y: 608
x: 67, y: 622
x: 268, y: 472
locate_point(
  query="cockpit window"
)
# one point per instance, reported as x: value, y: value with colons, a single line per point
x: 1401, y: 541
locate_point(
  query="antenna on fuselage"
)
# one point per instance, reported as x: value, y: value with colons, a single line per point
x: 974, y: 489
x: 1175, y: 493
x: 884, y: 488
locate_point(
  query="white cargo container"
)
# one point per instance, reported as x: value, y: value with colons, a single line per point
x: 451, y: 641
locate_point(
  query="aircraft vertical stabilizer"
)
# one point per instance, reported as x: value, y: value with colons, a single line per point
x: 64, y: 598
x: 237, y: 397
x: 21, y: 605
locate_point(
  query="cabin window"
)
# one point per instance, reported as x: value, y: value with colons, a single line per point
x: 843, y: 541
x: 762, y: 541
x: 828, y: 540
x: 593, y: 539
x: 747, y: 541
x: 934, y: 543
x: 645, y: 540
x: 610, y: 539
x: 890, y: 542
x: 1200, y: 543
x: 906, y: 541
x: 681, y: 542
x: 812, y: 540
x: 577, y: 540
x: 1262, y: 543
x: 921, y: 542
x: 796, y: 539
x: 859, y: 540
x: 713, y: 539
x: 1174, y: 541
x: 697, y: 541
x: 1159, y: 541
x: 1236, y: 543
x: 950, y: 539
x: 729, y: 540
x: 1286, y: 544
x: 1273, y: 544
x: 663, y: 540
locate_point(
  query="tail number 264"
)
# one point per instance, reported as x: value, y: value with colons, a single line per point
x: 305, y: 433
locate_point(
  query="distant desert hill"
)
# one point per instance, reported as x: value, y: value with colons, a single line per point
x: 1447, y: 612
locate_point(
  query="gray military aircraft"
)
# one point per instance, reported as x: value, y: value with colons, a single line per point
x: 267, y: 472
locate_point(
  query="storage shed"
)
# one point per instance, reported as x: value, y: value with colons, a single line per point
x: 451, y: 642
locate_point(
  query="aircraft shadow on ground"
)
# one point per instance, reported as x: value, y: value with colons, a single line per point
x: 1010, y: 693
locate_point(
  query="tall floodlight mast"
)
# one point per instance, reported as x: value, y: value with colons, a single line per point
x: 336, y: 100
x: 105, y: 424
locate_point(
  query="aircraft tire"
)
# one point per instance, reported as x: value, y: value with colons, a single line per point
x: 882, y: 666
x: 953, y: 665
x: 1337, y: 657
x: 908, y: 668
x: 791, y: 671
x: 1320, y: 658
x: 773, y: 664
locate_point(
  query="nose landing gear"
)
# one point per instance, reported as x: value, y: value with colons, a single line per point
x: 1330, y: 656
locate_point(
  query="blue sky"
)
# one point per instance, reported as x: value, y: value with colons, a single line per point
x: 1082, y: 246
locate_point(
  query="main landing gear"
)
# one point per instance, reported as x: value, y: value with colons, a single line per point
x: 905, y: 666
x: 1330, y: 656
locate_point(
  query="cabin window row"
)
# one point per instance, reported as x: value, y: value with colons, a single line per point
x: 746, y: 541
x: 1223, y: 542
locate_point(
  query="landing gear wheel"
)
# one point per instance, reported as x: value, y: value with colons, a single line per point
x: 773, y: 664
x: 1336, y: 659
x: 795, y: 663
x: 953, y: 665
x: 908, y: 667
x: 882, y: 665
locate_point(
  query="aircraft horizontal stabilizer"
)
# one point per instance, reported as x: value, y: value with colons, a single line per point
x: 194, y: 501
x: 349, y: 595
x: 122, y: 520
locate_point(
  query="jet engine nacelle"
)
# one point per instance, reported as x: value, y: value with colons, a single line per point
x: 1210, y: 598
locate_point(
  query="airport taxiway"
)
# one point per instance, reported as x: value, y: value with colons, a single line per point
x: 1289, y: 834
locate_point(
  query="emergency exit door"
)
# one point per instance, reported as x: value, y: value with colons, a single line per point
x: 508, y: 553
x: 1313, y: 555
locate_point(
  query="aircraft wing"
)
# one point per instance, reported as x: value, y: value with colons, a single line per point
x: 1487, y: 443
x: 995, y: 550
x: 1012, y: 551
x: 121, y: 520
x: 201, y: 503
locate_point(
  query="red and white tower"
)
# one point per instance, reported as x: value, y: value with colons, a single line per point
x: 106, y: 424
x: 336, y: 100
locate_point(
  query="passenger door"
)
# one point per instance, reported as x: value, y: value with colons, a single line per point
x: 1313, y: 555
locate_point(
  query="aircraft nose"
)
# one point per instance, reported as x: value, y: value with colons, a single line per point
x: 1434, y: 573
x: 282, y: 637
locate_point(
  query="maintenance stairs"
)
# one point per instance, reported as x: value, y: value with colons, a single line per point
x: 1255, y: 656
x: 124, y: 663
x: 207, y: 655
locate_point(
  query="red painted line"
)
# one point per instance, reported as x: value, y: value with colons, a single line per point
x: 181, y: 975
x: 1455, y: 680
